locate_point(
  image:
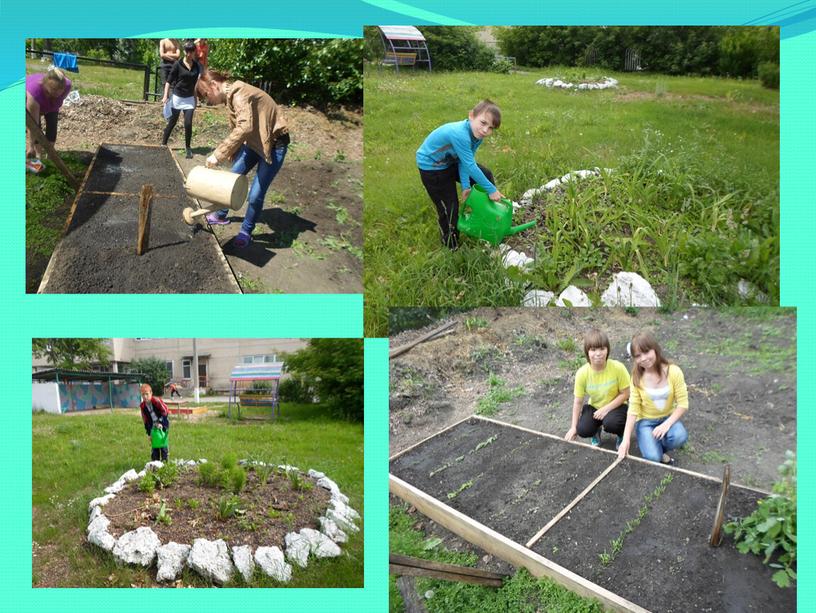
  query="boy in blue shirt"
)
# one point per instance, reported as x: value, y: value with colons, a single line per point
x: 448, y: 156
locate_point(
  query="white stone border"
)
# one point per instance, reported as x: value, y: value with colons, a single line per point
x: 555, y: 83
x: 213, y: 559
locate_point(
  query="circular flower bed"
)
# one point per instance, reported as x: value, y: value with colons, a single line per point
x: 604, y: 83
x: 221, y: 518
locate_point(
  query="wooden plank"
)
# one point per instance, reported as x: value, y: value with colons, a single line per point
x: 716, y: 532
x: 575, y: 501
x: 37, y: 134
x: 127, y: 194
x: 400, y: 350
x: 427, y: 438
x: 414, y: 571
x: 143, y: 236
x: 628, y: 457
x: 503, y: 548
x: 410, y: 597
x: 419, y: 564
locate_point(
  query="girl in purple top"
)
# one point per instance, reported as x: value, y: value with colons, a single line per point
x: 45, y: 93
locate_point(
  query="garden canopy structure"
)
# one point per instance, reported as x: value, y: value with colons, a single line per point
x: 243, y: 378
x: 63, y: 390
x: 404, y: 46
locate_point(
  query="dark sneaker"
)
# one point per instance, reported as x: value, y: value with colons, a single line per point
x: 189, y: 155
x: 618, y: 442
x: 596, y: 439
x: 214, y: 220
x: 667, y: 459
x: 242, y: 240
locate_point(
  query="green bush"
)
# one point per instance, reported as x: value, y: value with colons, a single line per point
x: 317, y: 71
x: 155, y: 372
x: 769, y: 74
x: 209, y: 474
x: 237, y: 477
x: 297, y: 390
x: 457, y: 48
x: 771, y: 529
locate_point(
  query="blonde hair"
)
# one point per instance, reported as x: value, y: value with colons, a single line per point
x: 641, y: 343
x: 54, y: 82
x: 145, y: 388
x: 595, y: 339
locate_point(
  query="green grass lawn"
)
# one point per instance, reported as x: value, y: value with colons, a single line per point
x: 76, y: 457
x: 692, y: 203
x: 110, y: 81
x: 521, y: 593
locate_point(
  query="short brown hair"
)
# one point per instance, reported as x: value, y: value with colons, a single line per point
x: 145, y: 388
x: 595, y: 339
x: 489, y: 107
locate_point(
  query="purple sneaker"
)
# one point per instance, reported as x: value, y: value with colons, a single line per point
x: 242, y: 240
x: 214, y: 220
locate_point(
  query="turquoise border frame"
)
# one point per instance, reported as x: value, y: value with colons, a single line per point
x: 324, y: 315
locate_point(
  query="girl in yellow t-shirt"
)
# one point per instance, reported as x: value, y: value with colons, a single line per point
x: 659, y: 399
x: 604, y: 384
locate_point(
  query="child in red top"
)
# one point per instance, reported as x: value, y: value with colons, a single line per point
x: 154, y: 415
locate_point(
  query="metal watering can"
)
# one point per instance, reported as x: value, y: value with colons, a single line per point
x: 480, y: 217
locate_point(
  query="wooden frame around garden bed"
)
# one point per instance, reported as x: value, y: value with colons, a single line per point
x: 509, y: 550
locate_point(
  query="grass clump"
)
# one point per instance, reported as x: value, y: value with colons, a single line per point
x: 497, y: 395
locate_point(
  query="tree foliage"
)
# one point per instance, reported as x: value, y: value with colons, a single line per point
x: 155, y: 371
x: 702, y: 50
x: 457, y: 48
x: 72, y: 353
x: 333, y: 367
x: 317, y: 71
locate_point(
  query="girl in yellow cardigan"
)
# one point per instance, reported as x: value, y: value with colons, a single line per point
x: 658, y: 400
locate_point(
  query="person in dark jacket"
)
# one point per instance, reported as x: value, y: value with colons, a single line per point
x: 154, y: 415
x: 182, y: 78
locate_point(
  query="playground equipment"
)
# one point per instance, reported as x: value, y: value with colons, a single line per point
x: 215, y: 189
x: 242, y: 380
x: 480, y: 217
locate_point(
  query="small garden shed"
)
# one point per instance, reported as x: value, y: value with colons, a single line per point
x: 404, y: 46
x: 58, y: 390
x: 255, y: 385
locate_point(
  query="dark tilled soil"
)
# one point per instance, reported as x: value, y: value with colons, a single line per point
x: 665, y: 564
x: 132, y: 508
x: 519, y: 481
x: 98, y: 252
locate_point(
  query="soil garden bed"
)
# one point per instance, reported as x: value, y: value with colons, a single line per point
x: 663, y: 561
x: 97, y: 254
x: 266, y: 512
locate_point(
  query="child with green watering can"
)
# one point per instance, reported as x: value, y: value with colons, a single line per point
x: 154, y: 416
x: 448, y: 156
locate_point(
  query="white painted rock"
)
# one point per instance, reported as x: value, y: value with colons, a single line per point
x: 328, y: 484
x: 297, y: 549
x: 746, y: 289
x: 171, y: 559
x: 211, y: 560
x: 320, y: 544
x: 342, y: 521
x: 576, y: 298
x: 287, y: 468
x: 331, y: 529
x: 154, y: 465
x: 242, y: 558
x: 100, y: 502
x: 98, y: 532
x: 315, y: 474
x: 100, y: 522
x: 630, y: 289
x: 137, y: 547
x: 271, y: 561
x: 537, y: 298
x: 517, y: 258
x: 95, y: 512
x: 342, y: 508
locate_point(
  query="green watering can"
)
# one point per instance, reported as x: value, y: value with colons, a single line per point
x: 158, y: 438
x: 480, y: 217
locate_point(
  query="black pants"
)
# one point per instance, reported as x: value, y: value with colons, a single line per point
x: 441, y: 187
x: 614, y: 422
x: 174, y: 391
x: 165, y: 69
x: 159, y: 453
x: 50, y: 125
x: 188, y: 125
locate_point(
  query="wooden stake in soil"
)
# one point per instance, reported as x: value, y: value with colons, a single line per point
x: 716, y: 532
x: 37, y: 135
x: 143, y: 237
x: 400, y: 350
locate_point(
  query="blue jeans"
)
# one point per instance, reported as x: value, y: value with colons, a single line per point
x: 653, y: 449
x: 246, y: 161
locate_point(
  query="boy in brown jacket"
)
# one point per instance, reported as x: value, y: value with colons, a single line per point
x: 259, y: 137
